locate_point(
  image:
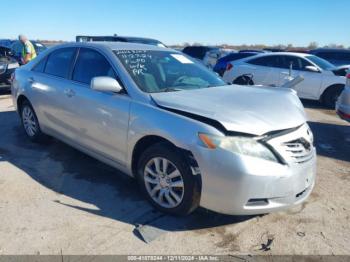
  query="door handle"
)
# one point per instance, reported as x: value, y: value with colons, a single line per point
x: 69, y: 92
x: 31, y: 80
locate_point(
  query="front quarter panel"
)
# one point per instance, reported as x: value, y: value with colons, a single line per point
x: 150, y: 120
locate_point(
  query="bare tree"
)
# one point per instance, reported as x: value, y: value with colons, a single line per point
x: 313, y: 45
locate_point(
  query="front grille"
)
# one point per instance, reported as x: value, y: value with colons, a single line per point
x: 299, y: 150
x: 295, y: 146
x: 257, y: 202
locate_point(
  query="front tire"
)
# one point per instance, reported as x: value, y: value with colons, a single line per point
x: 331, y: 95
x: 30, y: 123
x: 166, y: 179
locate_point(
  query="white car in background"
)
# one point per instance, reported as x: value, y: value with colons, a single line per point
x: 275, y: 69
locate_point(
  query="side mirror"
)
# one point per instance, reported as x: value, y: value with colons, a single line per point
x: 105, y: 83
x: 312, y: 69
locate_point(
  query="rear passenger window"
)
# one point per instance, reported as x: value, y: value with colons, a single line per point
x: 270, y: 61
x: 39, y: 67
x: 59, y: 62
x: 90, y: 64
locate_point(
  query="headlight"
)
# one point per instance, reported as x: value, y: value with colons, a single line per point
x: 2, y: 66
x: 12, y: 66
x: 239, y: 145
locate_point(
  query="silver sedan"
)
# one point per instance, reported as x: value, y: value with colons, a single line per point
x: 159, y: 116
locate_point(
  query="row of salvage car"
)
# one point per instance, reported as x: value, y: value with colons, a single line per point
x: 322, y: 80
x: 189, y: 138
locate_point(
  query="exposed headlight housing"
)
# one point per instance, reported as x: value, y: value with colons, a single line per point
x: 12, y: 65
x: 238, y: 144
x: 2, y: 68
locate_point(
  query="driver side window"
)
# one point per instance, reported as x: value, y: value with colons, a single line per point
x: 297, y: 63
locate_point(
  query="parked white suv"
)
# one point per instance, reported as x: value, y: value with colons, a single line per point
x: 274, y: 69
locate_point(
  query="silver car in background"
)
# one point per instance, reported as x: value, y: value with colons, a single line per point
x: 188, y: 138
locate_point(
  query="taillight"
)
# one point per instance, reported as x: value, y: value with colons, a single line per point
x: 348, y: 79
x: 229, y: 67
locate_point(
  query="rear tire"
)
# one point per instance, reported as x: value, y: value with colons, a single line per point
x: 330, y: 96
x: 30, y: 123
x: 166, y: 179
x: 244, y: 80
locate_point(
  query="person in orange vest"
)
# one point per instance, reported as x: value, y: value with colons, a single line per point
x: 28, y: 51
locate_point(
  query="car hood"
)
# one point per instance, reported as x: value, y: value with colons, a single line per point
x: 251, y: 110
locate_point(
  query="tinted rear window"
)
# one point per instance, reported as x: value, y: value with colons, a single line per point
x: 59, y: 62
x: 39, y: 67
x: 270, y: 61
x: 236, y: 56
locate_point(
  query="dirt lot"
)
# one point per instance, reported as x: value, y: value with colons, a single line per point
x: 56, y: 200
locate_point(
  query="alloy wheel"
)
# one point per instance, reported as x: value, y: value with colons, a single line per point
x: 164, y: 182
x: 29, y: 121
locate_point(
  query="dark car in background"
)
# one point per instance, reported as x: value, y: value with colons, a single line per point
x: 336, y: 56
x: 198, y: 52
x: 116, y: 38
x: 274, y: 49
x: 16, y: 47
x: 8, y: 64
x: 252, y: 50
x: 221, y: 65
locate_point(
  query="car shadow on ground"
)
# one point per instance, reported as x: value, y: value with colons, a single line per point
x: 5, y: 90
x: 314, y: 104
x: 332, y: 140
x: 69, y: 172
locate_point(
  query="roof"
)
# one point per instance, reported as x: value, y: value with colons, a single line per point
x: 330, y: 50
x: 118, y: 46
x: 119, y: 37
x: 284, y: 53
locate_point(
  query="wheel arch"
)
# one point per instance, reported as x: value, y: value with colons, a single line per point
x: 20, y: 99
x: 145, y: 142
x: 327, y: 89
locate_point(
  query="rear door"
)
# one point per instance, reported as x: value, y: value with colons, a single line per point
x: 101, y: 118
x: 265, y: 70
x: 50, y: 82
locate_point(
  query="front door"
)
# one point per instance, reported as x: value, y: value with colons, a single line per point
x: 101, y: 118
x: 309, y: 87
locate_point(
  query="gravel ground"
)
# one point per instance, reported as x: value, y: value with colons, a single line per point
x: 56, y: 200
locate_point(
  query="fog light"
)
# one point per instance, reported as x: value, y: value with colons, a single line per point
x: 257, y: 202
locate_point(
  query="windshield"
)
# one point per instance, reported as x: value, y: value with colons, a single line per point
x: 164, y: 71
x: 323, y: 64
